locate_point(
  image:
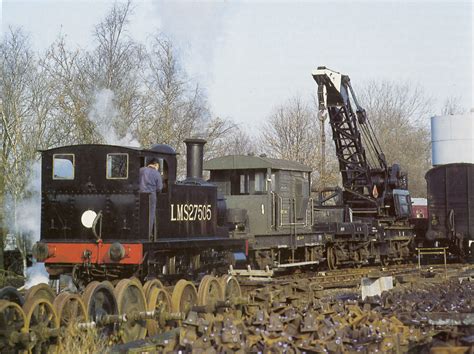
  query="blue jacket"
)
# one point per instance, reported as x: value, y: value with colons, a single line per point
x: 150, y: 180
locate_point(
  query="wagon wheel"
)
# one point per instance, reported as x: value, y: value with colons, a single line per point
x: 184, y: 297
x: 210, y: 291
x: 357, y: 259
x: 70, y: 309
x: 100, y: 301
x: 40, y: 291
x: 384, y: 261
x: 10, y: 293
x: 43, y: 324
x: 331, y: 258
x: 150, y: 284
x: 157, y: 299
x: 12, y: 321
x: 131, y: 301
x: 231, y: 288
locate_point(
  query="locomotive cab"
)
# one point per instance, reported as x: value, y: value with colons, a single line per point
x: 90, y: 192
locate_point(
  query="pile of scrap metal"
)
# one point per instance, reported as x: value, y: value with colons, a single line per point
x: 288, y: 318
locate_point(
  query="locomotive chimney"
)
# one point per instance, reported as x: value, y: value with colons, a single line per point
x: 194, y: 158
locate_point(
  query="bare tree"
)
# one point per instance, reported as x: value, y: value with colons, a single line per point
x: 25, y: 124
x: 114, y: 67
x: 399, y: 113
x: 98, y: 94
x: 176, y: 107
x: 451, y: 106
x: 292, y: 132
x: 70, y: 95
x: 227, y: 138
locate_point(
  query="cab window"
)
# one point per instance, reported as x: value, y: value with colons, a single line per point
x: 402, y: 206
x: 259, y: 182
x: 244, y: 184
x: 63, y: 166
x: 117, y: 166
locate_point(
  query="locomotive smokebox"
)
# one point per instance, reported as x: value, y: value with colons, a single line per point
x: 194, y: 158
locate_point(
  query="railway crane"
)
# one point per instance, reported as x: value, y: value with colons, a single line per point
x: 373, y: 192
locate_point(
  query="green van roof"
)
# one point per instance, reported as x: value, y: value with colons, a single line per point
x: 245, y: 162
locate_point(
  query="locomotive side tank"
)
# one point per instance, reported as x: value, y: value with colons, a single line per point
x: 451, y: 206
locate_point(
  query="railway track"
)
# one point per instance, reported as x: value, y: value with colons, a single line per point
x: 344, y: 278
x: 289, y: 314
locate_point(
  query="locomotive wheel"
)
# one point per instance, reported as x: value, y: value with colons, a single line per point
x: 184, y: 297
x: 12, y: 320
x: 70, y: 309
x: 210, y: 291
x: 231, y: 288
x: 40, y: 291
x: 10, y: 293
x: 331, y: 258
x: 100, y: 301
x: 131, y: 302
x: 157, y: 299
x: 150, y: 284
x: 43, y: 325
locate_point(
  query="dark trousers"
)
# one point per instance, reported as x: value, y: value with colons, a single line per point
x: 152, y: 213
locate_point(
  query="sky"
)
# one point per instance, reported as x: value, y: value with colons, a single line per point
x: 253, y: 56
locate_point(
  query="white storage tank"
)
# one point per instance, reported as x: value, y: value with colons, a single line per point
x: 452, y: 139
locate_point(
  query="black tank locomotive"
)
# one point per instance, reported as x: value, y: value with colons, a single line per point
x: 95, y: 222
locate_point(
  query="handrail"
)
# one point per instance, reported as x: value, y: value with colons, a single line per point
x: 273, y: 217
x: 97, y: 218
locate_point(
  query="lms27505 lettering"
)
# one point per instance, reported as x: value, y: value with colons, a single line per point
x: 191, y: 212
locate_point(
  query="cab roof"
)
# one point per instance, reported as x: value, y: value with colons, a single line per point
x: 157, y: 148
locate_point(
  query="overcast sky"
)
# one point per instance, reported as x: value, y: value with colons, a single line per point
x: 251, y: 56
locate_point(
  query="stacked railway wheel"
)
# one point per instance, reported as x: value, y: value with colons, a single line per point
x: 132, y: 304
x: 14, y: 330
x: 38, y: 320
x: 285, y: 314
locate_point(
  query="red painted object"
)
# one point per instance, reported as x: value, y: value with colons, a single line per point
x: 419, y: 208
x: 96, y: 253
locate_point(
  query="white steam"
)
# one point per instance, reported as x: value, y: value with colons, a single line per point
x: 29, y: 225
x: 104, y: 114
x: 35, y: 275
x: 28, y: 210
